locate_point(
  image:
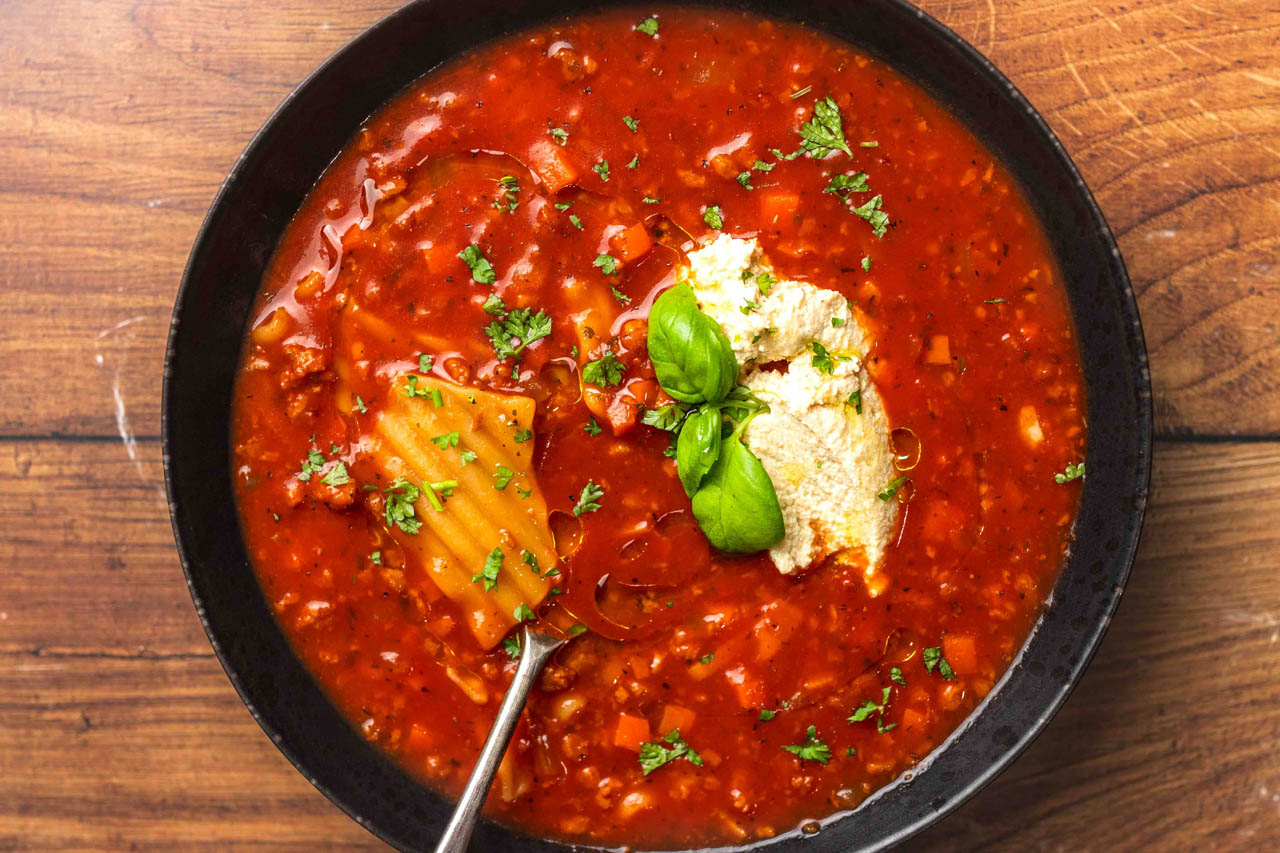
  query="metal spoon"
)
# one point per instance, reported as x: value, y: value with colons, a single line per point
x: 536, y: 648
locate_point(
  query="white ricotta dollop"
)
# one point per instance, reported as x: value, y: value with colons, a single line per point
x: 828, y: 463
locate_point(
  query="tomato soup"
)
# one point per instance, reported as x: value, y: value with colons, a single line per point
x: 493, y: 241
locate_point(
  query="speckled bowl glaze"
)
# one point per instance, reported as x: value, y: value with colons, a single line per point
x: 268, y: 184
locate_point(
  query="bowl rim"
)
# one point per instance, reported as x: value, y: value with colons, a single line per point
x: 1121, y: 562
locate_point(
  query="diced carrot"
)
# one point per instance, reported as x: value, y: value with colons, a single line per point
x: 631, y: 243
x: 552, y: 166
x: 631, y: 733
x: 676, y: 717
x: 778, y: 206
x: 939, y: 351
x: 959, y: 651
x: 749, y: 690
x: 912, y: 719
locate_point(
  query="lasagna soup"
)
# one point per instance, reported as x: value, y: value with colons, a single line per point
x: 712, y: 343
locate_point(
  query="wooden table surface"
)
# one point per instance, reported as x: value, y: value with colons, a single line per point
x: 118, y: 120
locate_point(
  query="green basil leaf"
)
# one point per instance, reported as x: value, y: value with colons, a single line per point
x: 698, y: 447
x: 736, y: 507
x: 690, y: 353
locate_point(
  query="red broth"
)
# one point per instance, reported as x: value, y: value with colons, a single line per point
x: 974, y: 357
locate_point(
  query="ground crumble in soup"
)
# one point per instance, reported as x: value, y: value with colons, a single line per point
x: 487, y: 337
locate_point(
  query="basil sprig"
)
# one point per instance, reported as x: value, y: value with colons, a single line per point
x: 734, y: 501
x: 689, y: 350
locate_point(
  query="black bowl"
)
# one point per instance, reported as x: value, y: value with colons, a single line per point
x: 268, y: 184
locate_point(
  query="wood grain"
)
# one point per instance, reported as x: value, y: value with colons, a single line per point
x: 119, y: 119
x: 118, y: 728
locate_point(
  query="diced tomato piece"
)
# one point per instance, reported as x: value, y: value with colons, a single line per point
x: 959, y: 651
x: 631, y: 243
x: 913, y: 719
x: 631, y: 732
x: 778, y: 206
x: 676, y: 717
x: 552, y: 166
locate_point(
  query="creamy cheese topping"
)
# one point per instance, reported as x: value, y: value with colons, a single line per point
x: 828, y: 463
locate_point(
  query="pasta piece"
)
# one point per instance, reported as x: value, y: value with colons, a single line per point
x: 492, y: 505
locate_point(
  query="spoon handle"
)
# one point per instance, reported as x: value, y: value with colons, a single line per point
x: 536, y: 648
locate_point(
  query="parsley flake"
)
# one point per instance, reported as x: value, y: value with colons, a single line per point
x: 657, y: 753
x: 592, y: 427
x: 604, y: 372
x: 649, y: 26
x: 892, y: 487
x: 632, y: 124
x: 398, y: 506
x: 481, y: 270
x: 502, y: 477
x: 823, y: 134
x: 489, y: 574
x: 1074, y: 471
x: 446, y: 440
x: 810, y: 749
x: 523, y: 435
x: 589, y: 500
x: 933, y: 659
x: 714, y: 217
x: 602, y: 169
x: 608, y: 264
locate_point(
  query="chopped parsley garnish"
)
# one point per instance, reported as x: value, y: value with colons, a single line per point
x: 563, y: 205
x: 892, y: 488
x: 446, y: 440
x: 605, y: 371
x: 489, y: 574
x: 502, y: 477
x: 337, y: 476
x: 592, y: 427
x: 655, y: 753
x: 508, y: 195
x: 896, y: 676
x: 767, y: 715
x: 632, y: 124
x: 762, y: 166
x: 376, y: 558
x: 744, y: 178
x: 870, y: 707
x: 810, y: 749
x: 866, y: 264
x: 837, y: 322
x: 524, y: 493
x: 649, y: 26
x: 523, y: 435
x: 481, y: 269
x: 424, y: 363
x: 589, y: 500
x: 608, y: 264
x: 512, y: 331
x: 650, y: 200
x: 1074, y: 471
x: 633, y: 162
x: 855, y: 400
x: 996, y: 301
x: 559, y: 134
x: 523, y: 613
x: 664, y: 417
x: 871, y: 212
x: 622, y: 298
x: 360, y: 406
x: 575, y: 221
x: 493, y: 306
x: 714, y: 217
x: 707, y: 658
x: 436, y: 491
x: 531, y: 560
x: 823, y: 134
x: 801, y: 93
x: 871, y: 144
x: 602, y: 169
x: 313, y: 464
x: 398, y: 506
x: 512, y: 646
x: 575, y: 629
x: 933, y: 659
x: 822, y: 361
x: 748, y: 307
x: 765, y: 282
x: 842, y: 185
x: 468, y: 457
